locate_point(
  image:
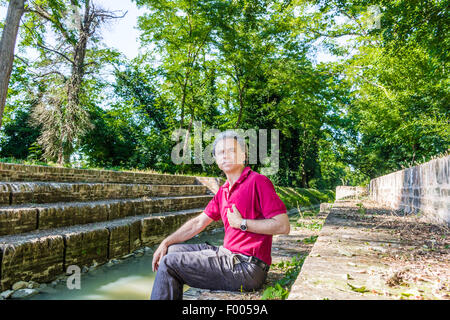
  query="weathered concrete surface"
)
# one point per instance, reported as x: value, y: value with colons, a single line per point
x: 348, y: 260
x: 423, y: 188
x: 50, y: 192
x: 13, y: 220
x: 21, y: 172
x: 42, y: 255
x: 16, y: 219
x: 348, y: 192
x: 31, y: 258
x: 212, y: 183
x: 53, y: 217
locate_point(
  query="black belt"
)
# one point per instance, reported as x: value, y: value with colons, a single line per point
x: 253, y: 260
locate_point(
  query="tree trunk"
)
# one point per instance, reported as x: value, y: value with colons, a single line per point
x: 75, y: 82
x: 7, y: 45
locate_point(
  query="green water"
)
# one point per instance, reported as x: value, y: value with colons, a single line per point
x: 131, y: 279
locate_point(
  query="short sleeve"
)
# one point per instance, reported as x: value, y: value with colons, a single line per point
x: 212, y: 208
x: 269, y: 201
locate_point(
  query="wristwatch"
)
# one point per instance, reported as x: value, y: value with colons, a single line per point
x: 244, y: 225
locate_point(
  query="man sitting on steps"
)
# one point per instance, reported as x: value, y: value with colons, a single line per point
x: 251, y: 212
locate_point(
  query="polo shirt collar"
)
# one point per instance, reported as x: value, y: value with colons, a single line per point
x: 243, y: 175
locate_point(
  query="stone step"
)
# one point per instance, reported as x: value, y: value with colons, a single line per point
x: 42, y: 255
x: 21, y: 172
x: 16, y: 219
x: 50, y: 192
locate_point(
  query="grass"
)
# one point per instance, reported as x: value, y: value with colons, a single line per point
x: 361, y: 210
x: 310, y: 240
x: 294, y: 197
x: 291, y: 269
x: 313, y: 225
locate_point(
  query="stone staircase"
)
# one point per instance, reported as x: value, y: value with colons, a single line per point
x: 53, y: 217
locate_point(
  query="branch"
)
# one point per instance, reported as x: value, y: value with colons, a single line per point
x: 105, y: 14
x: 51, y: 72
x: 90, y: 63
x: 351, y: 17
x: 49, y: 49
x: 57, y: 52
x: 44, y: 14
x: 378, y: 86
x: 328, y: 35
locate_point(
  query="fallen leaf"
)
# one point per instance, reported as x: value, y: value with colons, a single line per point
x: 356, y: 289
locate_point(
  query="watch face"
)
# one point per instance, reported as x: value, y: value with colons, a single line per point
x: 243, y: 228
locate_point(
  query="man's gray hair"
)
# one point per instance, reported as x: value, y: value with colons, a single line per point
x: 230, y: 134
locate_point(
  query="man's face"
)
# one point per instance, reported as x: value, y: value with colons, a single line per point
x: 229, y: 155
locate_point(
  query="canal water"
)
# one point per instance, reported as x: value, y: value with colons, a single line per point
x: 131, y: 279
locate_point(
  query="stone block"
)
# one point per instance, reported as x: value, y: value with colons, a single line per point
x: 153, y: 230
x: 126, y: 208
x: 14, y: 221
x: 119, y: 241
x: 85, y: 246
x: 5, y: 193
x: 135, y: 235
x: 68, y: 214
x: 40, y: 259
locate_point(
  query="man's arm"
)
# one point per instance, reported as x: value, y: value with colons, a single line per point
x: 275, y: 225
x: 188, y: 230
x: 278, y: 224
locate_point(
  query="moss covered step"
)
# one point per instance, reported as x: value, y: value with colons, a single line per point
x: 15, y: 219
x: 42, y: 255
x: 21, y: 172
x: 50, y: 192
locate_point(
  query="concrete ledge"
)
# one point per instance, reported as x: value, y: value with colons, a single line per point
x: 17, y: 219
x: 42, y: 255
x: 21, y: 172
x: 357, y: 252
x: 12, y: 193
x: 349, y: 192
x: 36, y: 259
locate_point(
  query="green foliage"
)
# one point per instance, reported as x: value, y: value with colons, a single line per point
x: 310, y: 240
x: 312, y: 225
x: 396, y: 108
x: 361, y: 289
x: 294, y: 197
x: 251, y: 65
x: 291, y: 269
x: 361, y: 210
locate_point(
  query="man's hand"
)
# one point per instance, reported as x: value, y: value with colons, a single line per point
x: 189, y: 229
x: 157, y: 256
x: 234, y: 218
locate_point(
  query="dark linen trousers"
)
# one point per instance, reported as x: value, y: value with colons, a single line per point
x: 204, y: 266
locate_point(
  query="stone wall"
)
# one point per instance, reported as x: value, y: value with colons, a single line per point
x: 54, y: 217
x: 348, y: 192
x: 21, y: 172
x: 423, y: 188
x: 213, y: 184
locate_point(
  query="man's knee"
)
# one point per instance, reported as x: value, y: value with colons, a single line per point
x: 173, y: 248
x: 168, y: 261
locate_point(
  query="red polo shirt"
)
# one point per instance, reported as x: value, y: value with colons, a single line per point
x: 255, y: 197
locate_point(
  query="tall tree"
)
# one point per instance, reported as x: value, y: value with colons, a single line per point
x: 7, y: 46
x: 181, y: 32
x: 75, y: 25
